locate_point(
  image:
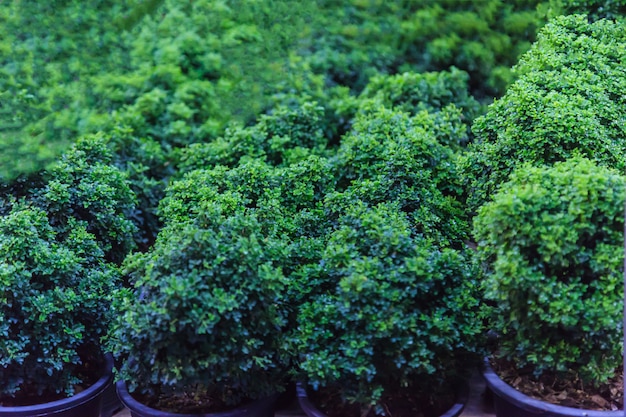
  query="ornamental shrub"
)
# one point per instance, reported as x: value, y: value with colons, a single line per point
x: 390, y: 156
x: 412, y: 92
x: 444, y: 95
x: 285, y: 135
x: 206, y: 307
x: 399, y: 313
x: 55, y: 296
x: 569, y: 98
x: 86, y: 186
x: 552, y: 245
x: 595, y: 9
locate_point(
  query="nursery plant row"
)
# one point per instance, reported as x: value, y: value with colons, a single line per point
x: 366, y: 226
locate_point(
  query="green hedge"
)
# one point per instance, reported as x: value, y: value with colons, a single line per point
x: 552, y: 243
x: 569, y: 98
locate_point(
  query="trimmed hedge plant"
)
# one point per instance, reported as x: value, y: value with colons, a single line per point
x: 206, y: 314
x: 399, y: 315
x: 55, y: 296
x: 390, y: 156
x: 568, y: 99
x: 552, y: 245
x: 61, y: 238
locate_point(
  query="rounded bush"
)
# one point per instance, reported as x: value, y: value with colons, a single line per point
x: 398, y: 313
x: 207, y: 307
x: 85, y: 185
x: 55, y: 297
x: 552, y: 245
x: 390, y: 156
x: 568, y: 99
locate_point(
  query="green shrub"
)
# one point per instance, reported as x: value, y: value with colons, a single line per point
x: 55, y: 296
x: 552, y: 244
x: 206, y: 308
x: 568, y: 99
x: 284, y: 136
x: 595, y: 9
x: 432, y: 91
x: 390, y: 156
x: 444, y: 95
x: 399, y: 313
x: 86, y: 186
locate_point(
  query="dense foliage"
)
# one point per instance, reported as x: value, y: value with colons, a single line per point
x: 59, y: 248
x: 400, y: 313
x: 206, y: 305
x: 180, y: 72
x: 48, y: 52
x: 298, y: 181
x: 569, y: 98
x: 55, y: 293
x: 552, y: 241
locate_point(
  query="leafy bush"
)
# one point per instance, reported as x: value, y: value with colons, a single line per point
x: 390, y: 156
x: 595, y: 9
x: 568, y: 99
x: 55, y: 295
x: 284, y: 136
x: 552, y: 243
x: 399, y: 314
x: 413, y: 92
x: 86, y: 186
x: 207, y: 305
x: 444, y: 95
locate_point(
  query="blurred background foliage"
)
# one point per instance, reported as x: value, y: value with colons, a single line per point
x: 170, y: 73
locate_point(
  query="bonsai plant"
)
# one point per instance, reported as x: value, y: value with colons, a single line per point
x: 55, y: 290
x: 59, y: 235
x: 201, y: 331
x: 567, y: 98
x: 395, y: 331
x: 391, y: 156
x: 551, y: 242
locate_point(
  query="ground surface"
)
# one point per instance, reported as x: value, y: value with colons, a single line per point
x: 476, y: 406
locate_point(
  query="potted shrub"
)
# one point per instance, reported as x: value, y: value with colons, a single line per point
x: 567, y: 99
x: 394, y: 330
x: 59, y: 280
x: 551, y: 242
x: 201, y: 331
x: 55, y: 295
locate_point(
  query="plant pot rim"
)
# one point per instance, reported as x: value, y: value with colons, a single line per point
x: 527, y: 403
x: 58, y: 406
x: 135, y: 406
x: 462, y: 396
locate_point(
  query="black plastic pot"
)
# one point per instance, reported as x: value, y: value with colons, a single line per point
x: 84, y: 404
x: 310, y: 410
x: 509, y: 402
x: 111, y: 404
x: 259, y: 408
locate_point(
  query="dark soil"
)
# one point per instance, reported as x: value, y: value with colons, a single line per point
x: 89, y: 373
x: 401, y: 403
x: 566, y: 391
x: 193, y: 401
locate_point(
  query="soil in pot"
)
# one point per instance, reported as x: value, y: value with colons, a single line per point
x: 399, y: 403
x: 90, y: 371
x: 86, y: 403
x: 257, y: 408
x: 566, y: 391
x: 192, y: 402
